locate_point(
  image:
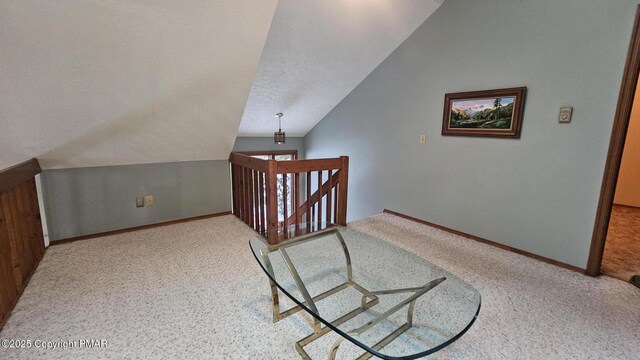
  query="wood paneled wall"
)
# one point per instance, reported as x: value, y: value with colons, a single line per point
x: 21, y: 238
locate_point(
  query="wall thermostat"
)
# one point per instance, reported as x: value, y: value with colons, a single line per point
x: 565, y: 114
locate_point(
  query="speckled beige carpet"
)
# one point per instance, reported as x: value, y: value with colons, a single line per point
x: 194, y: 291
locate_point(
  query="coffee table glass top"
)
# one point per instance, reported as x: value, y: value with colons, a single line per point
x: 384, y: 299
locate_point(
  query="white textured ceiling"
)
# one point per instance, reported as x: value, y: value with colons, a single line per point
x: 318, y: 51
x: 99, y: 82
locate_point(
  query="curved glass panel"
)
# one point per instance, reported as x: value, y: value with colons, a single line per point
x: 397, y: 305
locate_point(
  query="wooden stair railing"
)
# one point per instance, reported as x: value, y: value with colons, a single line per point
x: 308, y: 206
x: 255, y: 196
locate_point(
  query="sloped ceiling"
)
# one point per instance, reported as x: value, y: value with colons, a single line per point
x: 99, y: 82
x: 112, y: 82
x: 318, y: 51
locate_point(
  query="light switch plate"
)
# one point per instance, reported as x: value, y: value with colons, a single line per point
x: 139, y: 201
x: 148, y: 200
x: 423, y: 138
x: 565, y: 114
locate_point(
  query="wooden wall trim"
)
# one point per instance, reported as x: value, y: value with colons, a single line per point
x: 136, y: 228
x: 17, y: 174
x: 616, y: 147
x: 488, y: 242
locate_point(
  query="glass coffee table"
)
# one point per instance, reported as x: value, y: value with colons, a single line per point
x: 384, y: 299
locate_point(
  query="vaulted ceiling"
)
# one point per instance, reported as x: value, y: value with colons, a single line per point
x: 318, y: 51
x: 110, y: 82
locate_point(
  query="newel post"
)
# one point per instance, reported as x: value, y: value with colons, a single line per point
x: 343, y: 180
x: 272, y: 201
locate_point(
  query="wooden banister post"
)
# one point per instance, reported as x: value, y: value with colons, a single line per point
x: 272, y: 201
x: 343, y: 180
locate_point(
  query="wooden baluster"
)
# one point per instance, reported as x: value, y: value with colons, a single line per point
x: 247, y: 192
x: 285, y: 203
x: 234, y: 185
x: 335, y: 203
x: 329, y: 193
x: 256, y: 202
x: 296, y: 203
x: 309, y: 218
x: 272, y: 201
x: 250, y: 197
x: 263, y: 227
x: 342, y: 191
x: 241, y: 192
x: 244, y: 195
x: 238, y: 187
x: 234, y: 191
x: 319, y: 199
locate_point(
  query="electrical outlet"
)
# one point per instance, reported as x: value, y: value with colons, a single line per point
x: 423, y: 138
x: 565, y: 114
x: 148, y: 200
x: 139, y: 201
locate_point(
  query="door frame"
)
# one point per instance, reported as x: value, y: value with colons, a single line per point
x: 616, y: 147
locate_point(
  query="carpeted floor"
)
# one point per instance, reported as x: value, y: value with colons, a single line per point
x: 621, y: 257
x: 194, y: 291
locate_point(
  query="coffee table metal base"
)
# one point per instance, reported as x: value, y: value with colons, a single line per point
x: 368, y: 300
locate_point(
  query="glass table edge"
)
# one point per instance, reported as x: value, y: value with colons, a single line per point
x: 351, y: 339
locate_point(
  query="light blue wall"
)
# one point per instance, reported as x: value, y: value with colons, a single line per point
x: 266, y: 143
x: 82, y: 201
x: 538, y: 193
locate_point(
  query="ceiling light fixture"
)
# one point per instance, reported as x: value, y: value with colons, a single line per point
x: 279, y: 136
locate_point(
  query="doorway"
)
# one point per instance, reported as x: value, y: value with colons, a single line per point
x: 621, y: 258
x: 615, y: 154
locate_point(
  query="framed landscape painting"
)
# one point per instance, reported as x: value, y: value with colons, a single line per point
x: 491, y: 113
